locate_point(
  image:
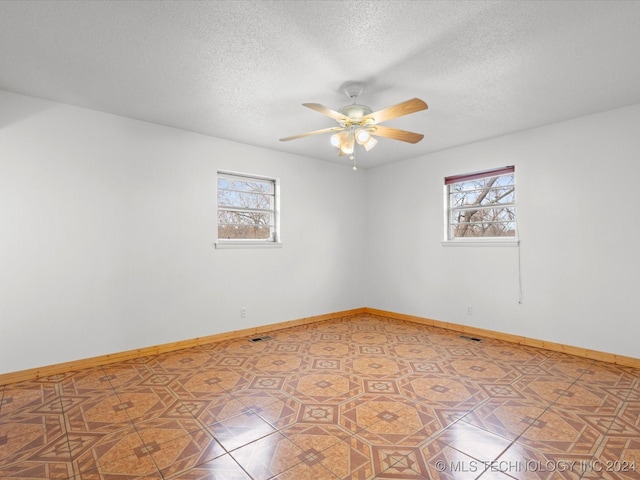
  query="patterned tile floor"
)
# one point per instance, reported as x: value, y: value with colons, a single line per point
x: 362, y: 397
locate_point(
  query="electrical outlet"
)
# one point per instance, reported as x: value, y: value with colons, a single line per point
x: 243, y: 312
x: 469, y: 310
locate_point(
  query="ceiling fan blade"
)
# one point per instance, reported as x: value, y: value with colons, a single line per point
x: 396, y: 134
x: 404, y: 108
x: 328, y: 112
x: 315, y: 132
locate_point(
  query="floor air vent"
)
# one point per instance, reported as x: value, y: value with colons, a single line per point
x: 260, y: 339
x: 470, y: 338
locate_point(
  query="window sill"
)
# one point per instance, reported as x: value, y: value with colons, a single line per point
x: 248, y: 244
x: 482, y: 242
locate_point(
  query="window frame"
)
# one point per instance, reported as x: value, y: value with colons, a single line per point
x: 449, y: 239
x: 275, y: 240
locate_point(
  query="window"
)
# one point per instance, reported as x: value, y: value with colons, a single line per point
x: 247, y: 209
x: 481, y: 204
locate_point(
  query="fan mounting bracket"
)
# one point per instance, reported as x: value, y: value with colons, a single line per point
x: 353, y: 89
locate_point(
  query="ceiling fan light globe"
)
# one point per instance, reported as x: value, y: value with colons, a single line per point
x: 362, y: 136
x: 347, y: 143
x: 369, y: 144
x: 335, y: 140
x: 346, y: 150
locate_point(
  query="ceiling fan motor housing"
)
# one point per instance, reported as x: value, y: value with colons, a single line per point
x: 355, y: 112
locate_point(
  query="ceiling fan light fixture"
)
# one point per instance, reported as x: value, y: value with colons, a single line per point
x: 335, y: 140
x: 369, y: 144
x: 347, y: 143
x: 362, y: 135
x: 364, y: 138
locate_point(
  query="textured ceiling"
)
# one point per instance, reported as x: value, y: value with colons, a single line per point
x: 240, y: 70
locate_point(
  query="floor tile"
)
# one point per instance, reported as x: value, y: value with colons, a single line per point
x: 142, y: 403
x: 305, y: 471
x: 442, y: 390
x: 398, y: 462
x: 399, y: 423
x: 349, y: 459
x: 512, y: 355
x: 379, y: 366
x: 121, y: 375
x: 588, y: 398
x: 200, y: 384
x: 317, y: 438
x: 240, y: 430
x: 619, y: 456
x: 138, y: 465
x: 181, y: 454
x: 27, y: 396
x: 270, y: 456
x: 279, y: 410
x: 359, y: 413
x: 323, y: 387
x: 213, y: 408
x: 542, y: 389
x: 93, y: 452
x: 507, y: 418
x: 560, y: 431
x: 29, y: 435
x: 413, y: 350
x: 630, y: 413
x: 34, y: 469
x: 223, y: 467
x: 162, y: 430
x: 89, y: 381
x: 473, y: 441
x: 480, y: 370
x: 438, y: 460
x: 179, y: 361
x: 330, y: 349
x: 98, y: 412
x: 568, y: 366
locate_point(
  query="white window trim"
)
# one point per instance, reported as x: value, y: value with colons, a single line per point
x: 229, y: 243
x: 481, y: 242
x: 223, y: 244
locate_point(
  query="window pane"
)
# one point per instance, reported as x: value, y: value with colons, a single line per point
x: 244, y: 217
x: 480, y: 215
x: 245, y: 232
x: 228, y: 198
x: 491, y: 191
x: 248, y: 185
x: 500, y: 229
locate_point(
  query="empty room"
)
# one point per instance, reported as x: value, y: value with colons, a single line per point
x: 319, y: 240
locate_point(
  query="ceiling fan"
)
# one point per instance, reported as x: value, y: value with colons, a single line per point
x: 359, y: 124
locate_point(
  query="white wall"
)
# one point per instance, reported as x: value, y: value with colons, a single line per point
x: 107, y: 227
x: 576, y: 207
